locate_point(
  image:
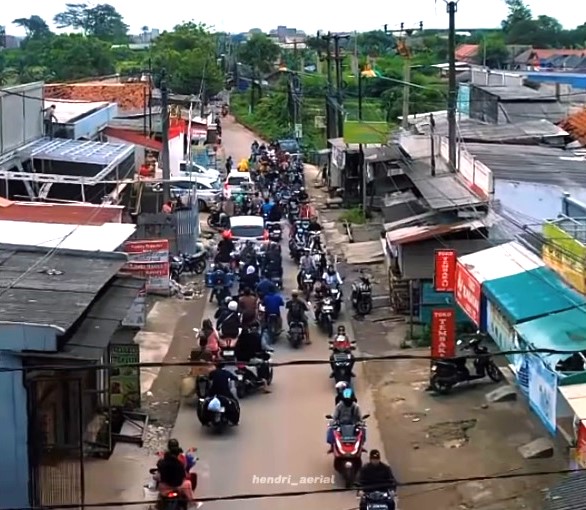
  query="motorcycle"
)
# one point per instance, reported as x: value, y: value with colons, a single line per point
x: 379, y: 500
x: 275, y: 232
x: 362, y: 295
x: 307, y: 281
x: 176, y: 268
x: 336, y: 294
x: 296, y: 334
x: 347, y: 449
x: 326, y: 316
x: 195, y: 263
x: 211, y: 412
x: 216, y: 220
x: 342, y: 359
x: 272, y: 325
x: 253, y: 381
x: 220, y: 282
x: 449, y: 372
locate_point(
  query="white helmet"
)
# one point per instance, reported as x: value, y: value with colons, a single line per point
x: 227, y: 299
x: 341, y: 386
x: 233, y: 306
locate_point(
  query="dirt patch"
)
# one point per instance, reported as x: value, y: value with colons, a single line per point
x: 450, y: 434
x: 163, y: 402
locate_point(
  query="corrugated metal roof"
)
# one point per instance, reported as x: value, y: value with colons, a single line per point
x: 93, y: 238
x: 516, y: 93
x: 530, y: 294
x: 500, y: 261
x: 421, y: 233
x: 66, y: 214
x: 569, y: 494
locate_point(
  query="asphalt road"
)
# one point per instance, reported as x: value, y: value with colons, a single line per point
x: 281, y: 434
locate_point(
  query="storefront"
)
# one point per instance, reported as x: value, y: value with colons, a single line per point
x: 475, y: 270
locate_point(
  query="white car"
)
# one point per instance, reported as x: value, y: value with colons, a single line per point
x: 207, y: 191
x: 236, y: 182
x: 248, y: 228
x: 210, y: 173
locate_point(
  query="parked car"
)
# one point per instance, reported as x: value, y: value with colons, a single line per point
x: 207, y: 192
x: 237, y: 182
x: 196, y: 169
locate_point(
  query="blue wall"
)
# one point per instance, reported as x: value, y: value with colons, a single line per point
x: 464, y: 98
x: 578, y: 81
x: 14, y: 466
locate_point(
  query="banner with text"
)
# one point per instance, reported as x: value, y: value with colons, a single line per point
x: 445, y: 270
x: 149, y: 259
x: 543, y: 388
x: 443, y: 333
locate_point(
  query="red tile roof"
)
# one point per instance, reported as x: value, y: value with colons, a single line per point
x: 128, y: 96
x: 576, y: 125
x: 69, y: 214
x: 466, y: 52
x: 130, y: 136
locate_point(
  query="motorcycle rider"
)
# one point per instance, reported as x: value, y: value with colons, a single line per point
x: 314, y: 226
x: 171, y: 473
x: 249, y: 349
x: 331, y: 277
x: 265, y: 287
x: 229, y: 163
x: 229, y: 327
x: 273, y: 302
x: 302, y: 195
x: 248, y: 254
x: 220, y: 387
x: 297, y: 309
x: 225, y: 248
x: 254, y: 148
x: 250, y: 278
x: 340, y: 387
x: 222, y: 312
x: 306, y: 266
x: 375, y: 475
x: 257, y: 202
x: 320, y: 291
x: 247, y: 303
x: 275, y: 214
x: 266, y: 207
x: 347, y: 412
x: 273, y: 261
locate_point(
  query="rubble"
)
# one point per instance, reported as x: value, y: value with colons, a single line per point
x: 128, y: 96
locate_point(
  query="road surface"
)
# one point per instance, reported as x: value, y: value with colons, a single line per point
x: 281, y: 434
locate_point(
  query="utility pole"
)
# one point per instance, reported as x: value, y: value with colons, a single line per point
x: 252, y: 85
x: 432, y: 140
x: 363, y: 175
x: 338, y: 57
x: 295, y: 55
x: 165, y: 160
x: 452, y: 7
x: 330, y: 130
x: 150, y: 97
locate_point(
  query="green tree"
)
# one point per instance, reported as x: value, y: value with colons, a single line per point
x: 34, y: 26
x: 188, y: 54
x: 260, y: 53
x: 493, y: 51
x: 518, y: 12
x: 375, y: 43
x: 102, y: 21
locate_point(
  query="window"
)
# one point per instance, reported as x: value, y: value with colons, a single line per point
x: 183, y: 185
x: 237, y: 181
x: 247, y: 231
x: 216, y: 185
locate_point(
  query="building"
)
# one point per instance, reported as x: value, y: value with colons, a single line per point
x: 64, y: 313
x: 535, y: 59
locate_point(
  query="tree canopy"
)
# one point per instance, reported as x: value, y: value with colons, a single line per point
x: 260, y: 53
x: 102, y: 21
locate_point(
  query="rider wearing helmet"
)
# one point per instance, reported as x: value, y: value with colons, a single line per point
x: 297, y: 309
x: 331, y: 277
x: 340, y: 387
x: 172, y: 471
x: 303, y: 196
x: 225, y: 247
x: 230, y: 325
x: 347, y: 412
x: 376, y: 476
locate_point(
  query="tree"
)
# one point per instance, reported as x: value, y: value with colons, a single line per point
x: 375, y: 43
x: 260, y: 53
x: 102, y: 21
x: 493, y: 51
x: 188, y: 54
x: 518, y: 12
x: 34, y: 26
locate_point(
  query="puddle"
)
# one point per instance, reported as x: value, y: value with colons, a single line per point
x: 450, y: 434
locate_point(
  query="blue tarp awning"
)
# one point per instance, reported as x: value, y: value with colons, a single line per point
x: 563, y: 331
x: 532, y: 294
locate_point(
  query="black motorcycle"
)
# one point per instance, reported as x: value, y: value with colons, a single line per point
x: 342, y: 364
x: 326, y: 316
x: 212, y: 412
x: 447, y: 373
x: 195, y: 263
x: 362, y: 295
x: 275, y: 232
x: 307, y: 282
x: 252, y: 377
x: 378, y: 500
x: 336, y: 294
x: 296, y: 334
x: 176, y: 267
x: 216, y: 220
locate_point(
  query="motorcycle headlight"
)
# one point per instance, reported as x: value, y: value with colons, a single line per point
x: 434, y: 368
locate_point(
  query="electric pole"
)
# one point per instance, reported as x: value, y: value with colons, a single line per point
x: 330, y: 130
x: 452, y: 7
x: 165, y: 160
x: 338, y: 57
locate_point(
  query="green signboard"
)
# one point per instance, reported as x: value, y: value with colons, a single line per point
x: 561, y: 239
x: 124, y: 379
x: 366, y: 132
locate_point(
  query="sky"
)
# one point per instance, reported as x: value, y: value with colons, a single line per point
x: 239, y: 15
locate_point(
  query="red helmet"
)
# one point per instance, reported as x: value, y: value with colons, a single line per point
x: 227, y: 234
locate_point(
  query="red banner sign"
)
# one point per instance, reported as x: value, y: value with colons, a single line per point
x: 468, y: 293
x: 443, y: 333
x: 445, y: 270
x: 149, y: 259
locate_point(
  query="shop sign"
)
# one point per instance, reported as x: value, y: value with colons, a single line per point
x: 504, y: 335
x: 581, y: 445
x: 445, y: 270
x: 468, y: 293
x: 149, y: 259
x: 443, y: 333
x: 543, y: 392
x: 124, y: 379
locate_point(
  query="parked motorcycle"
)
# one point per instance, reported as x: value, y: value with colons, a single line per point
x: 296, y: 334
x: 176, y: 267
x: 195, y: 263
x: 378, y: 500
x: 362, y: 295
x: 216, y: 220
x: 348, y: 448
x: 449, y: 372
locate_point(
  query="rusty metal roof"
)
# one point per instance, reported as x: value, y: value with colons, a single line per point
x: 409, y: 235
x: 69, y: 214
x: 576, y: 125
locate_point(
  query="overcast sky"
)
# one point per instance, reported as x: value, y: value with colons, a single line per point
x: 240, y: 15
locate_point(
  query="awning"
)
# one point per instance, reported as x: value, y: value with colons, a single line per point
x: 421, y: 233
x: 105, y: 155
x: 532, y: 294
x: 130, y: 136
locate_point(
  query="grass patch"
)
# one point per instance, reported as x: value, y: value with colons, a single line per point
x: 353, y: 216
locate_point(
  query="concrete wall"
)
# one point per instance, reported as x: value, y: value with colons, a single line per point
x: 21, y: 115
x: 90, y: 126
x: 495, y: 78
x: 14, y: 454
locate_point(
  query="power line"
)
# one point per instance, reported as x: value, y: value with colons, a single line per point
x: 296, y: 494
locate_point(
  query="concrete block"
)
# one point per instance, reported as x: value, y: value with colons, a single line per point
x: 540, y: 448
x: 502, y: 394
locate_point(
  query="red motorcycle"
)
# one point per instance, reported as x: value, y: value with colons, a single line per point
x: 348, y: 447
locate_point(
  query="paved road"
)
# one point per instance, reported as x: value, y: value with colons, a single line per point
x: 280, y: 434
